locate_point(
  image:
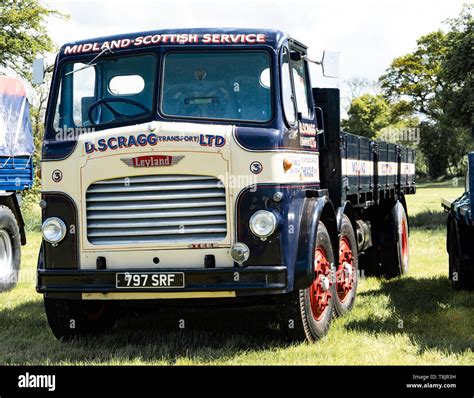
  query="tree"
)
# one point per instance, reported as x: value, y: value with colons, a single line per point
x: 457, y: 98
x: 360, y: 85
x: 357, y: 86
x: 23, y: 33
x: 370, y: 114
x: 437, y: 81
x: 367, y: 115
x: 416, y: 76
x: 443, y: 148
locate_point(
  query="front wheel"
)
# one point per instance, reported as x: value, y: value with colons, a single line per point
x: 69, y: 319
x: 307, y: 313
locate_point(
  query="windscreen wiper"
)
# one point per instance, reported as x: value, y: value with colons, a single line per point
x: 106, y: 50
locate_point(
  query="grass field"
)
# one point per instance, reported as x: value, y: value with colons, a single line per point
x: 416, y: 319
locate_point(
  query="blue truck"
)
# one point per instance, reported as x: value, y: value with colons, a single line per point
x: 16, y: 175
x: 460, y: 234
x: 201, y: 166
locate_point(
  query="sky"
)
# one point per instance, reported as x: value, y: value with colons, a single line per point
x: 368, y: 34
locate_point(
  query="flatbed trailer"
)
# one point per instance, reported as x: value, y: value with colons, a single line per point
x: 222, y: 177
x: 367, y: 180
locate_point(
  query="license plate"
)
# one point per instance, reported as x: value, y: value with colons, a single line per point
x: 156, y: 280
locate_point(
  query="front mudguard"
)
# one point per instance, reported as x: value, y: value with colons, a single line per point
x: 314, y: 210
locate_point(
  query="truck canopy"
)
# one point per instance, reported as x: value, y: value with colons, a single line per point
x: 16, y: 137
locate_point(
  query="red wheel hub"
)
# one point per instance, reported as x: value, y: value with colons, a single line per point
x: 320, y: 289
x: 345, y: 270
x: 404, y: 242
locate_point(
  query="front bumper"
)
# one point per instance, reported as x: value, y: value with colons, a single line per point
x: 246, y: 281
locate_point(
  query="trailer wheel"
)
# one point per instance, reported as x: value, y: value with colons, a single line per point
x: 307, y: 314
x: 347, y: 270
x: 10, y: 249
x: 69, y: 319
x: 394, y: 242
x: 461, y: 267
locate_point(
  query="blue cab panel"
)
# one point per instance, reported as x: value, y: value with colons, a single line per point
x: 16, y: 173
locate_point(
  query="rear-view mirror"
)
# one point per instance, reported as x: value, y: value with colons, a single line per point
x: 330, y: 64
x: 38, y: 71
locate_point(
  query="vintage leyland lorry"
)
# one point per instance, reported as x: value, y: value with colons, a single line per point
x: 201, y: 166
x: 16, y: 175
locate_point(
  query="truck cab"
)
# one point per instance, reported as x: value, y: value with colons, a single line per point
x: 186, y: 165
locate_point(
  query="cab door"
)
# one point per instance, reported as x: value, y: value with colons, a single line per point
x: 306, y: 119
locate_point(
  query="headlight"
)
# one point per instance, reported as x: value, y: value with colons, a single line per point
x: 263, y: 223
x: 239, y: 252
x: 54, y: 230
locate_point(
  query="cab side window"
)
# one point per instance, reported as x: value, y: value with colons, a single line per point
x: 287, y: 89
x: 300, y: 80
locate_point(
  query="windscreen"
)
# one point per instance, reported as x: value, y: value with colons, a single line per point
x: 107, y: 92
x: 217, y: 85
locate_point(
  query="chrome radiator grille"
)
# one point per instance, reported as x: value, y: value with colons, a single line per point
x: 156, y: 209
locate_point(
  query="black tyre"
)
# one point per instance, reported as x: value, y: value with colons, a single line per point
x: 10, y: 249
x: 394, y: 242
x: 347, y: 269
x: 307, y: 314
x: 461, y: 259
x: 69, y: 319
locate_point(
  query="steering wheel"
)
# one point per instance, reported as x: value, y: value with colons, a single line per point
x: 117, y: 115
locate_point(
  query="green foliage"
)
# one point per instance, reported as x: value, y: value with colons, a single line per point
x: 444, y: 148
x: 436, y: 81
x: 370, y: 115
x: 23, y: 37
x: 417, y: 75
x: 23, y: 33
x: 457, y: 96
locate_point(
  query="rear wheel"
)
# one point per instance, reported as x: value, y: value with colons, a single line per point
x: 70, y: 319
x: 306, y: 314
x: 10, y: 249
x: 394, y: 242
x: 347, y: 270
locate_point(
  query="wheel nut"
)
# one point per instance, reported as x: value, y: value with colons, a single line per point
x: 325, y: 283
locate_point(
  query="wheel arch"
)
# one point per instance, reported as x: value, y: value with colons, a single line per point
x: 314, y: 210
